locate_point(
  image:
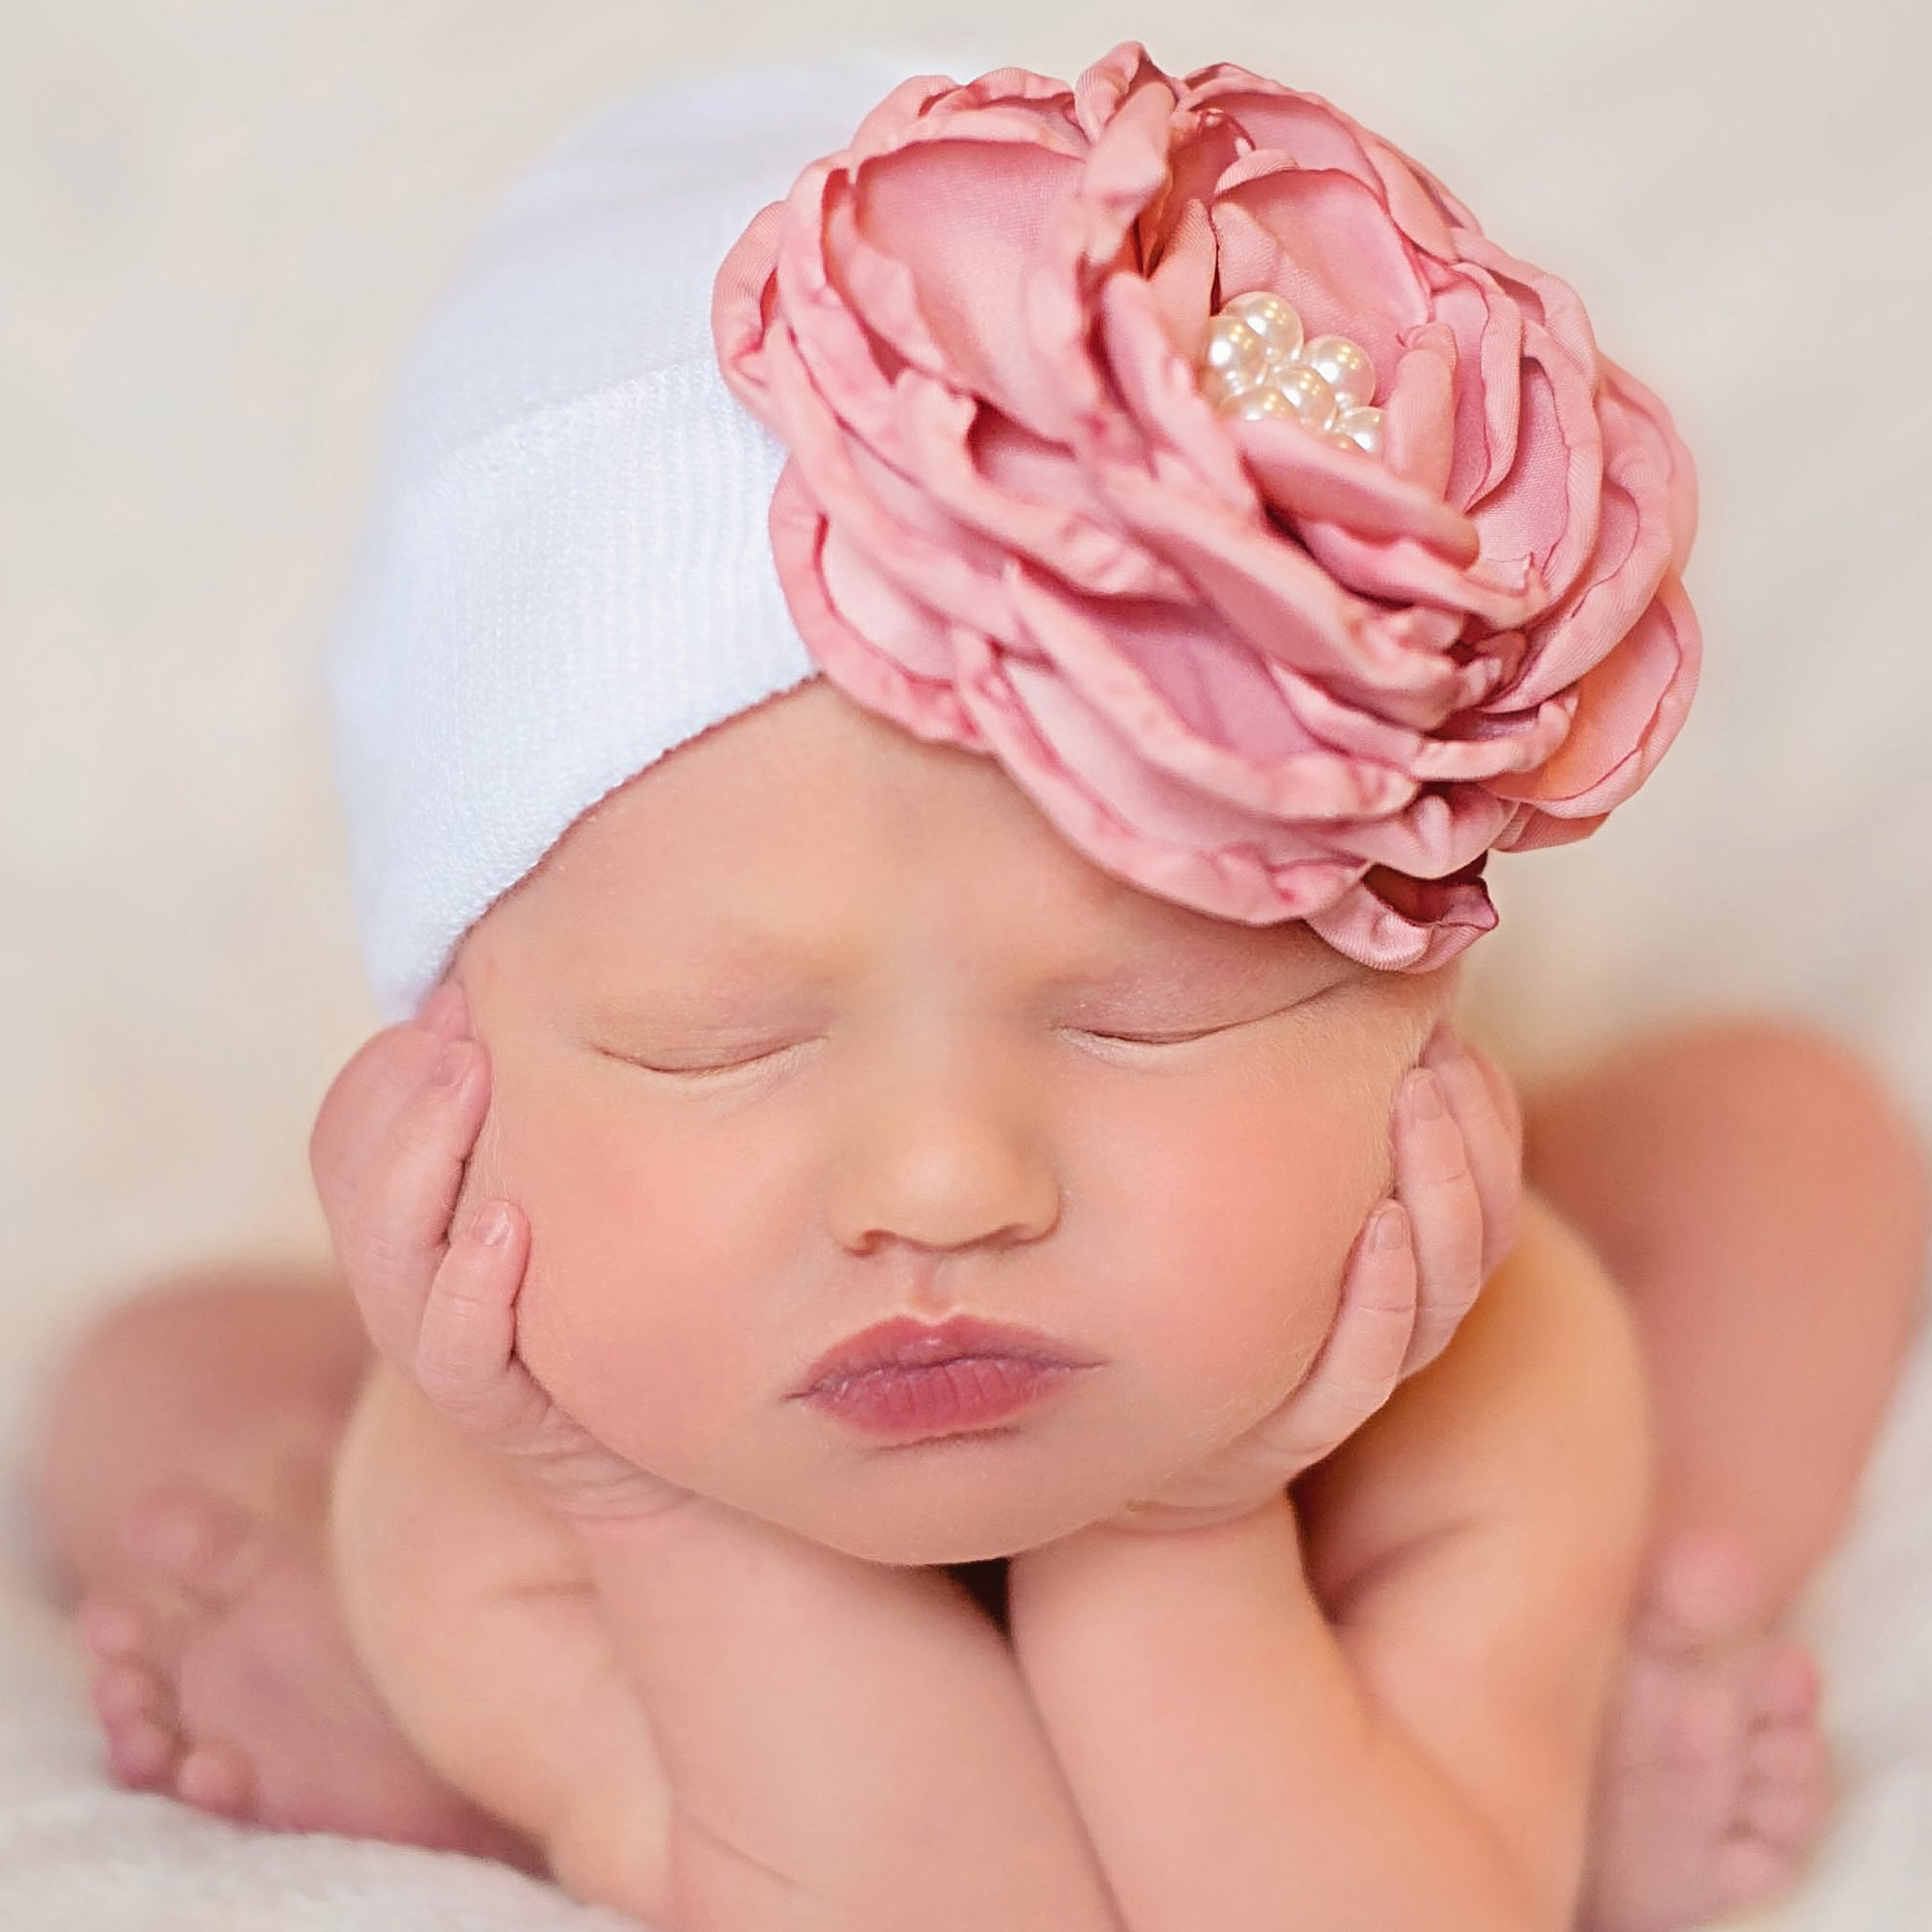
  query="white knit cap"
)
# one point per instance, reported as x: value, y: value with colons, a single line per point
x: 566, y: 573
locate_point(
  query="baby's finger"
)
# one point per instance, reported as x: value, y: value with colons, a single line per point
x: 392, y: 1235
x: 465, y: 1360
x: 1445, y: 1212
x: 1489, y: 1139
x: 367, y: 1095
x: 1502, y: 1089
x: 1362, y: 1359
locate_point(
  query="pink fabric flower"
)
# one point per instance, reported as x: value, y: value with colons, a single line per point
x: 1237, y: 666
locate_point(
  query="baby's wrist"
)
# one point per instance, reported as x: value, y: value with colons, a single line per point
x: 1106, y: 1577
x: 1114, y: 1550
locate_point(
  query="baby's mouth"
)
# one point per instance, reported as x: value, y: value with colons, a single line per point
x: 909, y: 1379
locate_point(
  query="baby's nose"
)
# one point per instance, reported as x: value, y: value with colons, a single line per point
x: 943, y: 1158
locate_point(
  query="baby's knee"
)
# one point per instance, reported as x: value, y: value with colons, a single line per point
x: 217, y: 1310
x: 229, y: 1379
x: 1801, y: 1071
x: 1817, y: 1093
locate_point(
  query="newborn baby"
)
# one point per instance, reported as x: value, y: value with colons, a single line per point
x: 811, y: 1026
x: 897, y: 1391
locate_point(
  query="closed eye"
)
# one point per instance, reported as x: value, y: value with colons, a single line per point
x: 1301, y: 1005
x: 1153, y: 1038
x: 708, y: 1069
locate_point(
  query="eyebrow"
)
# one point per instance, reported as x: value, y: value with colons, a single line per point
x: 1170, y: 969
x: 755, y: 953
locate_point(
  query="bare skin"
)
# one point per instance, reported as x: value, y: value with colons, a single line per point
x: 224, y: 1671
x: 1722, y: 1172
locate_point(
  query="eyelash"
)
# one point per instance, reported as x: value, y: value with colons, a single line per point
x: 1087, y: 1032
x: 1149, y: 1039
x: 723, y: 1067
x: 729, y: 1066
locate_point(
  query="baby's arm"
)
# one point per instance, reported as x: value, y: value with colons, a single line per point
x: 826, y: 1738
x: 472, y: 1609
x: 1391, y: 1720
x: 851, y: 1745
x: 840, y: 1737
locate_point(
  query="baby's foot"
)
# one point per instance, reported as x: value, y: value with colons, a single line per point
x: 1713, y: 1778
x: 223, y: 1676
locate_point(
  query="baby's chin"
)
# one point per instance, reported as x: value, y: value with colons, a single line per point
x: 958, y: 1510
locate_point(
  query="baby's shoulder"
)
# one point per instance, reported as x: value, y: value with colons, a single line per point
x: 1535, y: 1413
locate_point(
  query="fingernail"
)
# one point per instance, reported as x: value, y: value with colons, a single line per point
x: 445, y: 1012
x: 435, y: 1009
x: 450, y: 1064
x: 1424, y: 1095
x: 1385, y: 1229
x: 492, y: 1226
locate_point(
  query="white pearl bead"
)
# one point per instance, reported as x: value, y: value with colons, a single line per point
x: 1265, y: 401
x: 1273, y: 319
x: 1221, y: 389
x: 1363, y: 428
x: 1346, y: 367
x: 1336, y: 440
x: 1235, y: 357
x: 1307, y: 393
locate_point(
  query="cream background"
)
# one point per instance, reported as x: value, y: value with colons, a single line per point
x: 219, y: 217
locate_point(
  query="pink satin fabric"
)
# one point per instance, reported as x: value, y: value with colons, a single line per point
x: 1234, y: 664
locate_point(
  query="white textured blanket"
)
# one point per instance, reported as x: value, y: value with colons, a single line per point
x: 218, y: 219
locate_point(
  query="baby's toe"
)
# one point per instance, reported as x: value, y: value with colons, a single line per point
x: 1705, y: 1589
x: 1749, y: 1870
x: 127, y: 1688
x: 143, y: 1749
x: 1786, y: 1795
x: 190, y: 1537
x: 216, y: 1777
x: 1790, y: 1686
x: 110, y: 1627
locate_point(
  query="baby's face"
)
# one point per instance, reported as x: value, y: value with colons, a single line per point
x: 813, y: 1025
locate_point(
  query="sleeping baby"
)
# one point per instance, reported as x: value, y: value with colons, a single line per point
x: 933, y: 1322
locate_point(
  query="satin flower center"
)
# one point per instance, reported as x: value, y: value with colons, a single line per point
x: 1257, y: 363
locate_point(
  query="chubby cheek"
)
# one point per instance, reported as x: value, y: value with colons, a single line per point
x: 627, y: 1314
x: 1237, y: 1214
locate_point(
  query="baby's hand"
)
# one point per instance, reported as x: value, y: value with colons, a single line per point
x: 388, y: 1152
x: 1415, y: 1271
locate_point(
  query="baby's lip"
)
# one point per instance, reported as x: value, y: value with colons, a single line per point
x: 903, y: 1343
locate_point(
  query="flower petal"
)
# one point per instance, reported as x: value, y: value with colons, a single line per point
x: 1237, y: 664
x: 1445, y: 918
x: 1208, y: 715
x: 926, y: 708
x: 1629, y: 709
x: 1092, y: 785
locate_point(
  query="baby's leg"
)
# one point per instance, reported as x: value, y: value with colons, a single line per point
x: 1764, y: 1205
x: 182, y: 1479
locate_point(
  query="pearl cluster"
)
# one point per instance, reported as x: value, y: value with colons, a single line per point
x: 1257, y: 364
